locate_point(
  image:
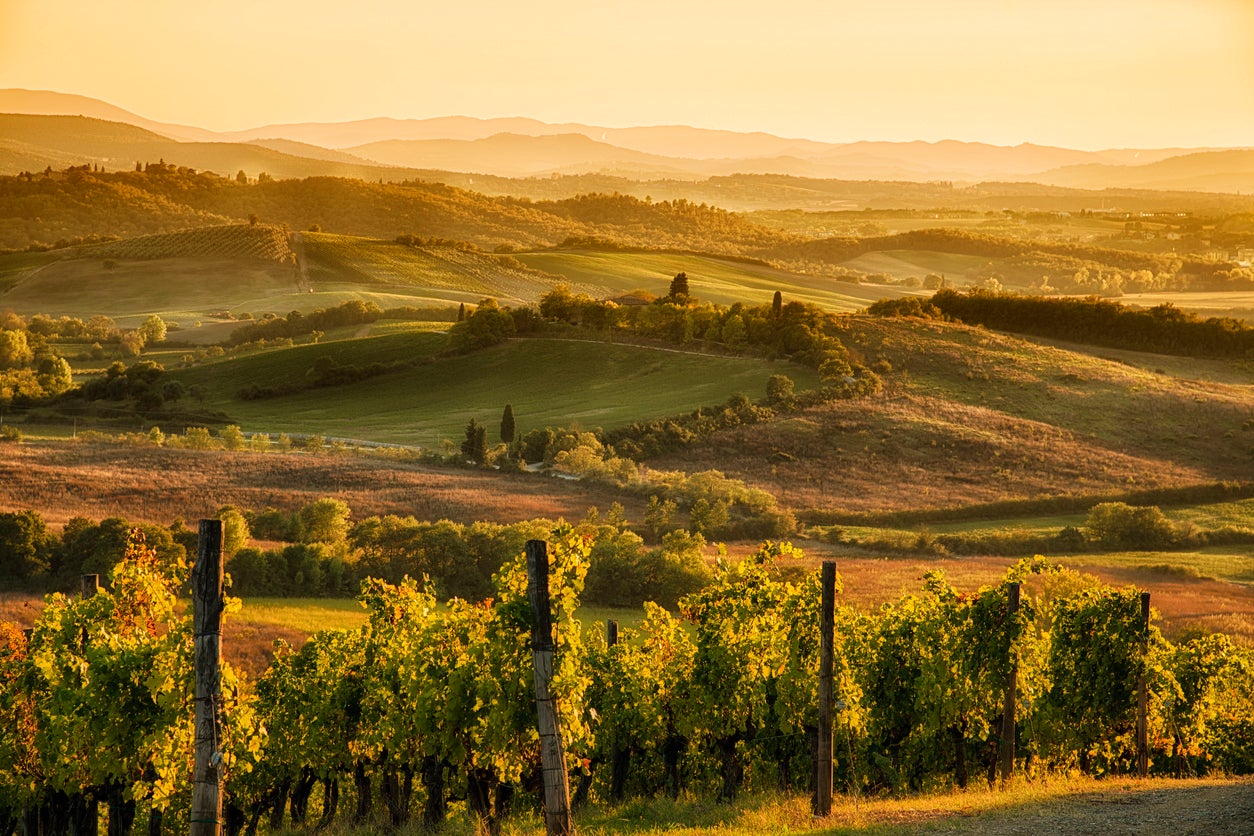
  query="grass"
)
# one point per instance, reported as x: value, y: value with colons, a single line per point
x: 437, y: 273
x: 223, y: 378
x: 1052, y: 803
x: 904, y: 264
x: 711, y: 279
x: 185, y: 290
x: 600, y: 384
x: 308, y: 615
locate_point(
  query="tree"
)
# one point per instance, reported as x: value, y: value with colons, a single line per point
x: 131, y: 343
x: 15, y: 351
x: 235, y: 534
x: 153, y: 329
x: 475, y: 447
x: 507, y: 425
x: 25, y: 544
x: 253, y: 220
x: 241, y: 177
x: 324, y: 521
x: 779, y: 389
x: 777, y: 305
x: 679, y: 288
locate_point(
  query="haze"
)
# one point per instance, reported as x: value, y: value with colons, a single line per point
x: 1078, y: 73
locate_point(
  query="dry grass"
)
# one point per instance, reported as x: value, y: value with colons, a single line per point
x: 61, y: 480
x: 970, y: 416
x: 1056, y: 804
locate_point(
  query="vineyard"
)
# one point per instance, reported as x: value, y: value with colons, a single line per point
x: 428, y: 711
x: 266, y: 243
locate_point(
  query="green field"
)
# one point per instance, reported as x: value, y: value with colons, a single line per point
x: 597, y: 384
x: 711, y: 279
x: 424, y: 275
x: 180, y: 289
x: 309, y: 615
x: 906, y: 264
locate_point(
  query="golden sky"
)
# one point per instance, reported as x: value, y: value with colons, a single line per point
x: 1077, y: 73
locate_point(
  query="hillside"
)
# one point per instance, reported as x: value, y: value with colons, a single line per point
x: 600, y: 385
x: 182, y: 276
x: 514, y: 155
x: 1230, y: 171
x: 80, y: 202
x: 196, y: 274
x: 29, y: 141
x: 970, y: 416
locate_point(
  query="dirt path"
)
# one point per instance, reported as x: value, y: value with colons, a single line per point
x: 1225, y: 808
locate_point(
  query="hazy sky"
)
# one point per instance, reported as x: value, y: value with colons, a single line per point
x: 1079, y: 73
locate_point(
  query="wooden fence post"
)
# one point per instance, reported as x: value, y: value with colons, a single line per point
x: 88, y: 585
x: 827, y: 617
x: 1142, y: 698
x: 1012, y: 689
x: 611, y: 632
x: 207, y: 605
x: 557, y: 820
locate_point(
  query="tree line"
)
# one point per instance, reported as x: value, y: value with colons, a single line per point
x: 1164, y: 329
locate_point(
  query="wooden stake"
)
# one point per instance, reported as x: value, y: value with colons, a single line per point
x: 88, y: 584
x: 207, y: 605
x: 1142, y: 698
x: 1012, y: 689
x: 827, y: 618
x: 611, y: 632
x: 557, y: 820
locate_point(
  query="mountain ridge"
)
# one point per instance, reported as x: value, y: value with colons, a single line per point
x: 642, y: 152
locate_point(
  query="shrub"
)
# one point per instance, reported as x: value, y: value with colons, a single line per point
x: 1117, y: 525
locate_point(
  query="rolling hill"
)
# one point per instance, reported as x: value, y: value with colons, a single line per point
x: 601, y: 385
x: 516, y: 155
x: 643, y: 152
x: 1230, y: 171
x: 969, y: 416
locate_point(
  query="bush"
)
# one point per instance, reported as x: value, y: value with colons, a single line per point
x: 1117, y: 525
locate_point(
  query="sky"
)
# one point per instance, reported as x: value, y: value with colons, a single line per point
x: 1086, y: 74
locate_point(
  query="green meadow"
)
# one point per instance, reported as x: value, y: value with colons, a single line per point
x: 549, y: 382
x: 722, y: 281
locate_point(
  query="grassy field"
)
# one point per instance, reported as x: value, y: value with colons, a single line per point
x: 905, y: 264
x: 711, y: 279
x: 185, y: 290
x: 436, y: 273
x: 970, y: 416
x: 601, y: 384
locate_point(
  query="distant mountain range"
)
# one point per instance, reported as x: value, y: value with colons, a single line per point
x: 57, y: 129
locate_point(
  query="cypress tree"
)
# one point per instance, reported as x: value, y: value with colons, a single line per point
x: 475, y: 447
x: 679, y: 287
x: 507, y: 425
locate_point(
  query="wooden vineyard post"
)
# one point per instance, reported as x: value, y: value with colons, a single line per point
x: 827, y: 605
x: 1142, y: 698
x: 207, y: 605
x: 1012, y: 688
x: 557, y: 821
x: 611, y: 632
x: 88, y: 584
